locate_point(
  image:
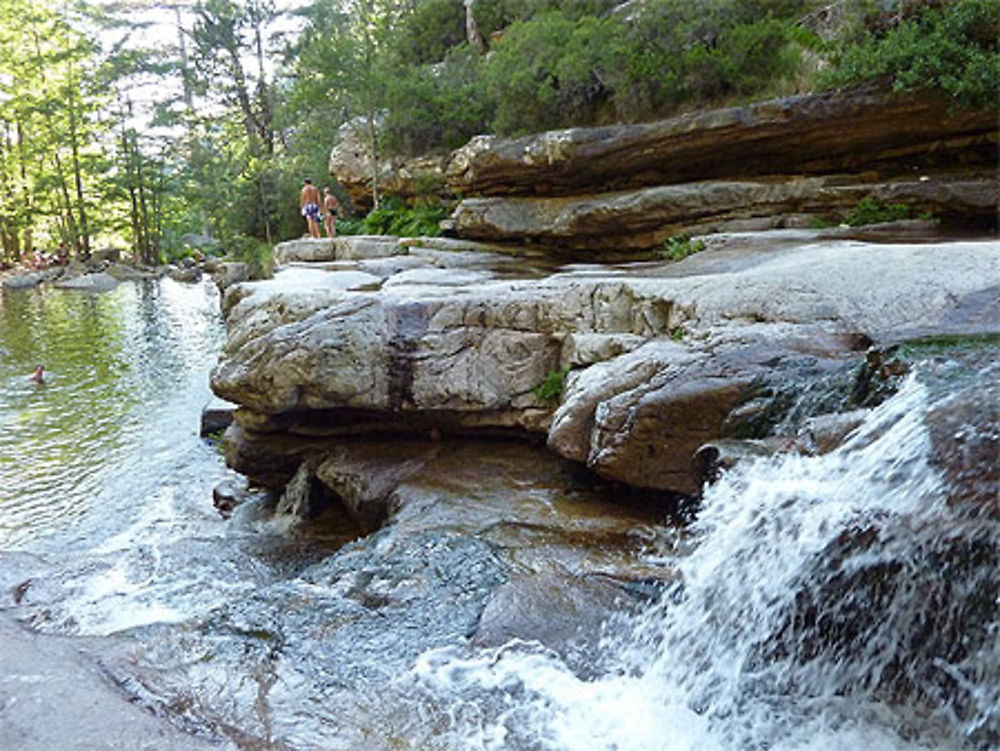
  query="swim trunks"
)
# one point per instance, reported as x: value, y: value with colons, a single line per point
x: 311, y: 211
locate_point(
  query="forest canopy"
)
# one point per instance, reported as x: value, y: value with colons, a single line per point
x: 161, y: 126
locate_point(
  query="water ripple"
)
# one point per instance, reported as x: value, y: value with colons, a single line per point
x: 116, y: 419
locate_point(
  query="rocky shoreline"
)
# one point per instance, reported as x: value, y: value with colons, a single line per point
x: 648, y: 372
x: 650, y: 362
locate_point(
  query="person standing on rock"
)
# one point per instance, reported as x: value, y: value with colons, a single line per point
x: 330, y: 206
x: 309, y: 202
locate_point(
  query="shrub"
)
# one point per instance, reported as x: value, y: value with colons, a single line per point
x: 870, y: 211
x: 433, y: 28
x: 549, y: 72
x: 678, y: 52
x: 430, y: 107
x: 256, y: 254
x: 952, y: 48
x: 680, y: 247
x: 394, y: 218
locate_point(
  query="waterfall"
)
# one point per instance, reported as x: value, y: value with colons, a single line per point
x: 829, y: 602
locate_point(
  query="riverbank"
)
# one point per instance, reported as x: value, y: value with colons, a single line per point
x: 805, y: 415
x: 628, y: 368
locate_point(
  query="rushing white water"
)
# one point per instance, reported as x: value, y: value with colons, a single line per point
x: 719, y: 663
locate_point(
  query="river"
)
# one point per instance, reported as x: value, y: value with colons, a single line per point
x: 814, y: 604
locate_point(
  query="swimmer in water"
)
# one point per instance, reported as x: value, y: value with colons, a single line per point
x: 39, y: 374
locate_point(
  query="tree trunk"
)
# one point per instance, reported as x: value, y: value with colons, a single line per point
x: 27, y: 244
x: 373, y: 143
x: 472, y: 34
x: 77, y: 174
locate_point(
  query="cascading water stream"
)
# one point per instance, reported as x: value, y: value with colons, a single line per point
x: 797, y: 623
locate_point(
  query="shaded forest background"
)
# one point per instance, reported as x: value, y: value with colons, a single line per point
x: 200, y: 136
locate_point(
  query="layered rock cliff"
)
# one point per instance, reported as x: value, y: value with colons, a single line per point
x: 789, y: 162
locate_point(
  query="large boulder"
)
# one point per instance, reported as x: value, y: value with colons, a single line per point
x: 664, y: 357
x: 99, y: 282
x: 352, y: 166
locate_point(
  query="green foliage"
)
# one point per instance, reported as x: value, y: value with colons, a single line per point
x: 350, y: 225
x: 679, y: 52
x: 551, y: 388
x: 550, y: 72
x: 434, y: 28
x: 679, y: 247
x: 952, y: 48
x: 255, y: 254
x: 870, y: 211
x: 493, y: 16
x: 393, y: 217
x: 437, y: 107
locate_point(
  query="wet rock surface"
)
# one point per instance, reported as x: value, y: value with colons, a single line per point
x: 52, y: 692
x: 482, y: 541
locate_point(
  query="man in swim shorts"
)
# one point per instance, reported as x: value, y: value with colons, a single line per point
x: 309, y: 202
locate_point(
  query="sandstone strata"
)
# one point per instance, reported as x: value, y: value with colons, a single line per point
x: 790, y: 162
x: 646, y: 217
x: 809, y: 134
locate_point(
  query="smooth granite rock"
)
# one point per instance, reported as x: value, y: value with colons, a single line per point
x: 660, y: 353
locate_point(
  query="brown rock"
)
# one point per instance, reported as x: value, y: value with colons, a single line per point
x: 965, y: 440
x: 644, y: 218
x: 351, y: 165
x: 809, y: 134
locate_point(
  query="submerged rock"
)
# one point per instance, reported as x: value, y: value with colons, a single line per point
x: 53, y: 694
x: 965, y: 438
x: 99, y: 282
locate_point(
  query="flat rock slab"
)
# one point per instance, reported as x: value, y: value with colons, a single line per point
x: 347, y: 247
x: 52, y: 696
x: 644, y: 218
x: 99, y: 282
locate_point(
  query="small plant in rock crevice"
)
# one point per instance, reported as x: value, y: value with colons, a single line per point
x: 551, y: 388
x: 679, y: 247
x: 870, y: 211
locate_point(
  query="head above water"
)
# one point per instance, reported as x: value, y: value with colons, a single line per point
x: 39, y: 374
